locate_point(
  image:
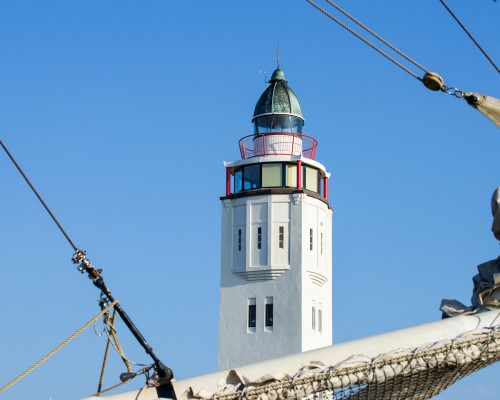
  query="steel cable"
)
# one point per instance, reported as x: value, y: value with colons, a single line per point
x: 367, y: 41
x: 470, y: 35
x: 376, y: 35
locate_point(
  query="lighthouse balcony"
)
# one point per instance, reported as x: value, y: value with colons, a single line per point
x: 278, y: 143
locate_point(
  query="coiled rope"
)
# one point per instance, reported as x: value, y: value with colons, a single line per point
x: 74, y: 335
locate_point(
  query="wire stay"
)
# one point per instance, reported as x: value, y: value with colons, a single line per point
x: 470, y: 35
x: 366, y: 41
x: 487, y: 105
x: 39, y: 197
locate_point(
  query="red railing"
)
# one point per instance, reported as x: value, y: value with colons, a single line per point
x: 278, y: 143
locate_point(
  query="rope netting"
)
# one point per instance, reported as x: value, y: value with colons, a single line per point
x: 419, y: 373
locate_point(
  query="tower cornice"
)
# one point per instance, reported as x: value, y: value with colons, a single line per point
x: 275, y: 191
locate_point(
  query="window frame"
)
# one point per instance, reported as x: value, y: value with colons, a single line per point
x: 269, y: 314
x: 245, y: 170
x: 281, y: 174
x: 305, y: 168
x: 251, y: 314
x: 313, y: 317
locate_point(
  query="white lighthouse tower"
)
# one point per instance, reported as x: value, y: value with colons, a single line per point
x: 276, y: 239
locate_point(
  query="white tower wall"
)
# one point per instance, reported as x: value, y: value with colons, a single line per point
x: 316, y: 275
x: 284, y: 271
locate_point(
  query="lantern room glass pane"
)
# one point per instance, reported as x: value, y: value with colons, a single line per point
x: 251, y: 177
x: 311, y: 179
x: 291, y: 175
x: 271, y: 175
x: 278, y: 123
x: 238, y: 181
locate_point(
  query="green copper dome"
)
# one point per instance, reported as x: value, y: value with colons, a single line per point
x: 278, y: 98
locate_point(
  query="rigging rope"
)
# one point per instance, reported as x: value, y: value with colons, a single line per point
x: 371, y: 32
x: 470, y: 36
x: 111, y: 334
x: 84, y: 265
x: 118, y: 385
x: 105, y: 360
x: 74, y: 335
x: 110, y: 330
x: 488, y: 106
x: 367, y: 41
x: 151, y: 381
x: 113, y: 338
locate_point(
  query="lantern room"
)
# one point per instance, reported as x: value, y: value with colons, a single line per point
x: 278, y: 123
x: 278, y: 154
x: 278, y: 109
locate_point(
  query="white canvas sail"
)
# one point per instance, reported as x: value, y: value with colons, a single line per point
x: 414, y: 363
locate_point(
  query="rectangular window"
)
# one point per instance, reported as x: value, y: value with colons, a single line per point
x: 269, y: 313
x: 320, y: 320
x: 313, y: 317
x: 321, y: 243
x: 239, y: 239
x: 271, y: 175
x: 259, y: 237
x: 252, y: 314
x: 310, y: 239
x: 281, y: 238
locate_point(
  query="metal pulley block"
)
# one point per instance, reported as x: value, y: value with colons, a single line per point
x: 433, y: 81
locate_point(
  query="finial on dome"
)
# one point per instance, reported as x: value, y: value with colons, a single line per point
x: 278, y: 76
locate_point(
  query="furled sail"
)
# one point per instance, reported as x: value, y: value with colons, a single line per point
x: 495, y: 210
x: 487, y: 105
x: 414, y: 363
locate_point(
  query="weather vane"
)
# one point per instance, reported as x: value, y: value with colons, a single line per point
x: 263, y: 71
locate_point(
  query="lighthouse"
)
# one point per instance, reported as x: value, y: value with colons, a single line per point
x: 275, y: 296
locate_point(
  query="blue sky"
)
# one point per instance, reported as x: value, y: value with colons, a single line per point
x: 122, y: 113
